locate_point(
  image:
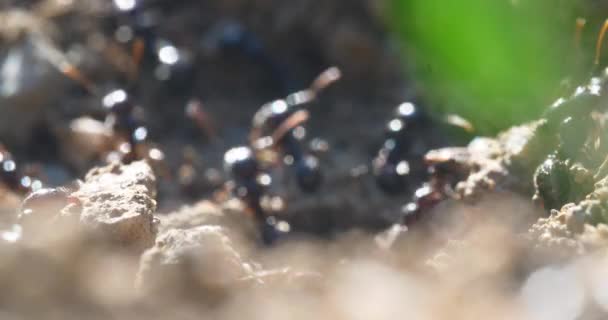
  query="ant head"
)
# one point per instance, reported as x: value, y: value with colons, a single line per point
x: 241, y: 163
x: 118, y: 101
x: 271, y: 115
x: 585, y: 99
x: 408, y: 111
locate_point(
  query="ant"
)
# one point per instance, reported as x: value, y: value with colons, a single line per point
x: 277, y: 128
x: 389, y: 167
x: 568, y: 124
x: 447, y: 166
x: 275, y: 136
x: 249, y: 184
x: 121, y: 117
x: 129, y: 135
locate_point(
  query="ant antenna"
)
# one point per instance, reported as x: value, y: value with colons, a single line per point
x: 600, y: 40
x: 293, y: 121
x: 323, y: 80
x: 73, y: 73
x: 326, y: 78
x: 459, y: 122
x: 137, y: 53
x: 59, y: 60
x: 578, y: 35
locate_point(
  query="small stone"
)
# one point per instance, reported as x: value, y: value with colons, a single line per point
x: 118, y: 200
x: 200, y: 262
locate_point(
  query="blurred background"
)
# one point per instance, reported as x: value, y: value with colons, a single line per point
x: 497, y: 63
x: 199, y: 70
x: 196, y: 72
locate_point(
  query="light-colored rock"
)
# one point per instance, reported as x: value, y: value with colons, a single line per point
x: 118, y: 200
x: 201, y: 213
x: 199, y: 263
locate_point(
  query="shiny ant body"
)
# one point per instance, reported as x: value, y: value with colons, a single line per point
x: 275, y: 136
x: 129, y: 139
x: 568, y: 123
x: 277, y: 127
x: 390, y: 167
x: 121, y: 118
x: 249, y: 186
x: 559, y: 178
x: 447, y: 166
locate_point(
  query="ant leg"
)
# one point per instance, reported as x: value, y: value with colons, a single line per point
x: 600, y: 40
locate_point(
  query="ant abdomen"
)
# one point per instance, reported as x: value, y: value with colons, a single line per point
x: 392, y: 178
x: 308, y: 174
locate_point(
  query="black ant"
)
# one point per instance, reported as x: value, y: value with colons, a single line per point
x: 249, y: 184
x: 122, y: 118
x: 568, y: 124
x: 277, y: 127
x: 390, y: 167
x: 130, y: 137
x: 447, y: 166
x: 274, y: 136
